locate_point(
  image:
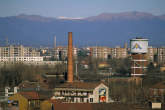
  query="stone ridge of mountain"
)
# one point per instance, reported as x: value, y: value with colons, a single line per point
x: 125, y: 15
x: 33, y: 18
x: 109, y: 29
x: 101, y: 17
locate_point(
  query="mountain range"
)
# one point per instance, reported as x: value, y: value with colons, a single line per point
x: 106, y: 29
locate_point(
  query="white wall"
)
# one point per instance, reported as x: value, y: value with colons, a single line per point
x: 96, y: 93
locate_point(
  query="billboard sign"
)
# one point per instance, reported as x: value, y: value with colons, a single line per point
x: 139, y: 45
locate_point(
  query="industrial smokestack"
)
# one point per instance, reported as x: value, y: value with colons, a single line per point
x: 54, y: 41
x: 70, y: 59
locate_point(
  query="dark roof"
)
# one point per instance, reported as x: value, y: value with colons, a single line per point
x: 80, y: 85
x: 28, y: 84
x: 69, y: 106
x: 160, y: 85
x: 30, y: 95
x: 35, y: 95
x: 94, y: 106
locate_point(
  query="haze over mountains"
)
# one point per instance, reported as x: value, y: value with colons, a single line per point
x: 109, y: 29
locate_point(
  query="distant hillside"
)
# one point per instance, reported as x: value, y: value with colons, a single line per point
x: 109, y: 29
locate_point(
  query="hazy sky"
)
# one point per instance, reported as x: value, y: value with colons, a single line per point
x: 78, y: 8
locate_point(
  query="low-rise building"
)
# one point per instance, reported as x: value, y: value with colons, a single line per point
x: 157, y: 92
x: 81, y: 92
x: 56, y: 105
x: 28, y: 100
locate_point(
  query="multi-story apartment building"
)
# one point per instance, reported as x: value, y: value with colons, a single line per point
x: 106, y: 52
x: 61, y: 53
x: 19, y: 53
x: 152, y: 52
x: 156, y: 55
x: 99, y: 52
x: 119, y: 52
x: 161, y: 55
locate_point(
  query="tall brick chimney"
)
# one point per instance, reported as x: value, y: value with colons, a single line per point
x: 70, y: 58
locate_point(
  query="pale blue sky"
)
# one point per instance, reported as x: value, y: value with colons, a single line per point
x: 78, y: 8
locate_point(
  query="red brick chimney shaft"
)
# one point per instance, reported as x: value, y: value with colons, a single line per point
x: 70, y: 58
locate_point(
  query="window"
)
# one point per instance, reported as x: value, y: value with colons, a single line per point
x: 81, y: 99
x: 72, y: 99
x: 91, y: 99
x: 60, y: 92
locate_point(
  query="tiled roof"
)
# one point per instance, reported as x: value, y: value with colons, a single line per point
x: 55, y: 101
x: 80, y: 85
x: 35, y: 95
x: 30, y: 95
x: 94, y: 106
x: 78, y: 106
x: 27, y: 84
x: 160, y: 85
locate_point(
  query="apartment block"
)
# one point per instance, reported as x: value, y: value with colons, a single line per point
x: 119, y: 52
x: 19, y: 53
x: 161, y: 55
x: 99, y: 52
x: 61, y: 52
x: 107, y: 53
x: 152, y: 52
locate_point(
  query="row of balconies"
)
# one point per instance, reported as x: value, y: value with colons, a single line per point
x: 72, y: 93
x: 21, y: 59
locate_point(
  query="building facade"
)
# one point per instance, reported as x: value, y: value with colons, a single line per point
x: 152, y: 52
x: 157, y: 92
x: 119, y: 52
x: 15, y: 53
x: 80, y: 92
x: 107, y: 52
x: 161, y: 55
x: 30, y: 100
x: 60, y: 52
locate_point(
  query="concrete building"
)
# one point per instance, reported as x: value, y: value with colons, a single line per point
x: 152, y: 52
x: 61, y: 52
x: 16, y: 53
x: 156, y: 55
x: 107, y: 52
x: 35, y: 63
x: 99, y: 52
x: 81, y: 92
x: 21, y: 59
x: 119, y: 52
x: 157, y: 92
x: 161, y: 55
